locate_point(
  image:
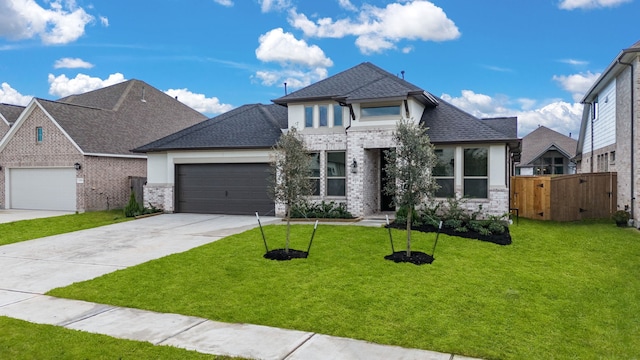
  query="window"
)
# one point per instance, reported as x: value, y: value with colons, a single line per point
x: 324, y: 115
x: 336, y: 176
x: 39, y: 134
x: 308, y: 116
x: 315, y: 173
x: 337, y: 115
x: 612, y: 158
x: 594, y: 109
x: 476, y: 180
x: 444, y: 172
x: 389, y: 110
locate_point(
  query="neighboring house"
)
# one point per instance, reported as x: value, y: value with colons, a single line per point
x: 608, y: 139
x: 8, y: 115
x: 74, y: 153
x: 547, y: 152
x: 347, y: 122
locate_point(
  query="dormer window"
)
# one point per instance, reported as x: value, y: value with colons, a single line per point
x: 39, y: 134
x: 384, y: 110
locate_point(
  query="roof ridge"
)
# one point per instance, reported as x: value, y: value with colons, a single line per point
x: 124, y: 94
x: 270, y: 117
x: 71, y: 104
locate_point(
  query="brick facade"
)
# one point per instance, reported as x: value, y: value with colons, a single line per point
x: 160, y: 196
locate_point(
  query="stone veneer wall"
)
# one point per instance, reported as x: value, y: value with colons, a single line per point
x: 160, y: 196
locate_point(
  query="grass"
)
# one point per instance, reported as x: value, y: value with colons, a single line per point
x: 559, y: 291
x: 36, y: 228
x: 23, y: 340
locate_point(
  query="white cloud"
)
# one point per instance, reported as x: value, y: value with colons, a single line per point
x: 558, y: 115
x: 379, y: 29
x: 227, y: 3
x: 63, y: 86
x: 284, y: 48
x: 576, y: 84
x: 347, y: 5
x: 274, y: 5
x: 301, y: 63
x: 104, y: 21
x: 9, y: 95
x: 199, y: 102
x: 574, y: 62
x: 295, y: 79
x: 590, y: 4
x: 72, y: 63
x: 62, y: 23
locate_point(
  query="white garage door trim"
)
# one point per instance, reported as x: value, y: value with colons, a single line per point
x: 42, y: 189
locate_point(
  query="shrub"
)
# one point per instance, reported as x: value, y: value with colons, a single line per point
x: 323, y: 210
x: 133, y: 208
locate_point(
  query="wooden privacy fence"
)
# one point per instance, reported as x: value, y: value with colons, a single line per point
x: 565, y: 197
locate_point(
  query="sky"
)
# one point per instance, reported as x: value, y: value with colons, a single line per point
x: 533, y: 59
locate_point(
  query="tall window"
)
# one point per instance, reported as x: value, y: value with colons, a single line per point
x: 444, y: 173
x: 39, y: 134
x: 336, y: 175
x: 337, y: 115
x: 476, y: 180
x: 308, y: 116
x: 315, y: 173
x: 324, y: 115
x: 389, y: 110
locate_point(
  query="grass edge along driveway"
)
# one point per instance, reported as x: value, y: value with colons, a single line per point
x: 559, y: 291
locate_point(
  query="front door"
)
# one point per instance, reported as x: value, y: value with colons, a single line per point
x: 385, y: 200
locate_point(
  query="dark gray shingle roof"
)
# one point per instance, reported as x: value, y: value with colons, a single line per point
x: 359, y: 83
x: 249, y: 126
x: 448, y: 124
x: 10, y: 112
x: 542, y: 139
x: 115, y: 119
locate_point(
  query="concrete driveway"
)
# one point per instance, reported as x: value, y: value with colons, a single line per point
x: 40, y: 265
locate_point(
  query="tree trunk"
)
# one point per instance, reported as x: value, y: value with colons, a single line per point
x: 286, y: 249
x: 409, y: 217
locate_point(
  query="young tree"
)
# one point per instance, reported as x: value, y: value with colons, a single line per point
x: 409, y: 168
x: 292, y: 168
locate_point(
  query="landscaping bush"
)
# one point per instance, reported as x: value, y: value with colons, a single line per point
x: 134, y: 209
x: 322, y: 210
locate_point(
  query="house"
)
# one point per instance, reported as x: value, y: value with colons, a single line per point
x: 608, y: 140
x: 8, y: 115
x: 347, y: 122
x: 547, y: 152
x: 74, y: 153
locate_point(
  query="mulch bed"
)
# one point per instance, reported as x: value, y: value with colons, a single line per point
x: 416, y: 258
x: 500, y: 239
x: 282, y: 254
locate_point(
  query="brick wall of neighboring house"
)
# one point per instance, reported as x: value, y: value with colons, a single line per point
x: 22, y: 150
x: 107, y: 183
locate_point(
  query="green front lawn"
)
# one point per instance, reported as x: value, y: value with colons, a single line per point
x: 36, y: 228
x: 559, y: 291
x: 23, y: 340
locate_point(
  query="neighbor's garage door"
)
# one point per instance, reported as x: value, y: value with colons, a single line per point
x: 223, y: 189
x: 43, y: 189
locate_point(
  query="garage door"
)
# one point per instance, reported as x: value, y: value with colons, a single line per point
x: 223, y: 189
x: 43, y: 189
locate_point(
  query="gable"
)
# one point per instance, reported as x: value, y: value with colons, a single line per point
x: 22, y: 145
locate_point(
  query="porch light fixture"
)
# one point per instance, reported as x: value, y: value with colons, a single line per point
x: 354, y: 166
x: 77, y: 166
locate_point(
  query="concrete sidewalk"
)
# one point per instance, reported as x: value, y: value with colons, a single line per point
x: 34, y: 267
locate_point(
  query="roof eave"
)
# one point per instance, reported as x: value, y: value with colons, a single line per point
x: 608, y: 73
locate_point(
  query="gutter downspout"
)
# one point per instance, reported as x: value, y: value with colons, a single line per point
x: 633, y: 198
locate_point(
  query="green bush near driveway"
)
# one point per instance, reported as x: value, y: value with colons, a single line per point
x: 36, y: 228
x: 561, y: 290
